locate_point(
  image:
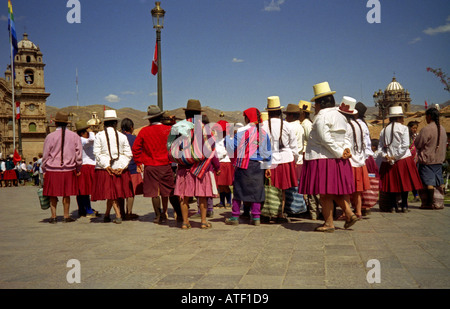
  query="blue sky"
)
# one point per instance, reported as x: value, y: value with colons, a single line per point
x: 233, y: 54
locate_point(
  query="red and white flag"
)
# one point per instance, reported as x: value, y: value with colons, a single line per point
x: 17, y: 110
x: 426, y: 105
x: 155, y: 61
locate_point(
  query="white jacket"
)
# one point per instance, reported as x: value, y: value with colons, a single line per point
x: 101, y: 152
x: 399, y: 146
x: 328, y: 139
x: 289, y: 152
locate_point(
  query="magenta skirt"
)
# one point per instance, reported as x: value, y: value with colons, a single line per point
x: 86, y: 179
x: 187, y: 184
x: 60, y: 184
x: 107, y: 187
x: 327, y: 176
x: 284, y: 176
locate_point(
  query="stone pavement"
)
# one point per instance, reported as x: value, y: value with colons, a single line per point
x: 412, y: 249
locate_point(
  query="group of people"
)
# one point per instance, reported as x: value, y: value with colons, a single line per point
x: 327, y: 159
x: 14, y: 171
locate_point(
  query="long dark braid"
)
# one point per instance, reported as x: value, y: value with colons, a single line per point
x: 392, y: 133
x: 434, y: 114
x: 63, y: 126
x: 113, y: 125
x: 277, y: 114
x: 355, y: 142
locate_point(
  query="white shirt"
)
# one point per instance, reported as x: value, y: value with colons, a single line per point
x: 358, y: 158
x: 300, y: 136
x: 221, y: 151
x: 88, y: 149
x: 102, y: 157
x: 289, y: 152
x: 367, y: 140
x: 399, y: 146
x: 327, y: 139
x: 307, y: 126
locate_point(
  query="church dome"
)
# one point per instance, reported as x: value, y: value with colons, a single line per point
x: 394, y: 86
x: 26, y: 44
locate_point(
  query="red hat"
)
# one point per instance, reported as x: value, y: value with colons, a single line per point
x: 253, y: 115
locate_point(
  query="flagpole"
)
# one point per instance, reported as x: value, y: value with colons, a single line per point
x: 13, y: 104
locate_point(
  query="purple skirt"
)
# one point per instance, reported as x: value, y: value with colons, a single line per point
x: 327, y: 176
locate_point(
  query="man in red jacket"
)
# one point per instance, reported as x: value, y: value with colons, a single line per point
x: 150, y: 149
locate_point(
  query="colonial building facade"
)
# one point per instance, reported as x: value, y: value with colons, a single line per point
x: 30, y: 91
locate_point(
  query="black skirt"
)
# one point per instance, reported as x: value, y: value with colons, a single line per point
x: 248, y: 185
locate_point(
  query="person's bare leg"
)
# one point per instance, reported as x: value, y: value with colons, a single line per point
x: 53, y: 204
x: 66, y: 204
x: 185, y: 212
x: 326, y: 201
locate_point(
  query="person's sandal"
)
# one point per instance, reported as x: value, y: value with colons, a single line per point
x: 185, y: 226
x: 206, y: 225
x: 69, y: 219
x: 350, y: 222
x: 325, y: 229
x: 117, y: 220
x: 53, y: 220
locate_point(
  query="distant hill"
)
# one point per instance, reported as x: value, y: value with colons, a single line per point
x: 85, y: 113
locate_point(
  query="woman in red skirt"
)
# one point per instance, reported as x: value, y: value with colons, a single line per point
x: 398, y: 170
x: 224, y: 181
x: 355, y: 135
x: 61, y: 164
x: 283, y: 139
x: 112, y: 178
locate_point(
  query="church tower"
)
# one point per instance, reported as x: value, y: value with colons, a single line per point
x: 30, y: 92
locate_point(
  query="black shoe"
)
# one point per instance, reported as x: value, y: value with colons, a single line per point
x: 53, y: 220
x: 69, y: 219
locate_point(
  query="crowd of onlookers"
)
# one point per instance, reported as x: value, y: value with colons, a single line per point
x: 14, y: 171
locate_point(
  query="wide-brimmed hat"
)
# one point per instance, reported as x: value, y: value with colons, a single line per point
x: 273, y: 104
x: 153, y: 111
x: 62, y: 117
x: 81, y: 125
x: 193, y: 105
x: 292, y: 109
x: 305, y: 106
x: 322, y: 90
x: 110, y: 115
x: 396, y: 111
x: 361, y: 108
x: 264, y: 116
x: 347, y: 106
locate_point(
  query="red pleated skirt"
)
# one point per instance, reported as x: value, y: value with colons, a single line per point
x: 362, y: 180
x: 9, y: 175
x: 107, y: 187
x: 284, y: 176
x: 86, y: 179
x: 327, y: 176
x: 226, y: 174
x: 403, y: 176
x: 60, y: 183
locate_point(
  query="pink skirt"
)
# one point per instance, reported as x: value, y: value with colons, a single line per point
x: 86, y: 179
x: 372, y: 167
x: 9, y: 175
x: 60, y: 184
x: 137, y: 184
x: 187, y: 184
x: 226, y: 174
x: 108, y: 187
x: 284, y: 176
x: 403, y: 176
x: 327, y: 176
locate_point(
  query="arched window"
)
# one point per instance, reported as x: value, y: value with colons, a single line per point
x: 28, y: 59
x: 29, y: 77
x: 32, y: 127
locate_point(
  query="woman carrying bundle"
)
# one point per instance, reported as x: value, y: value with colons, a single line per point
x: 61, y: 164
x: 250, y: 148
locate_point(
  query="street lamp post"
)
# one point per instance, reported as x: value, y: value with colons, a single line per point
x: 18, y: 92
x: 158, y: 23
x: 383, y: 101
